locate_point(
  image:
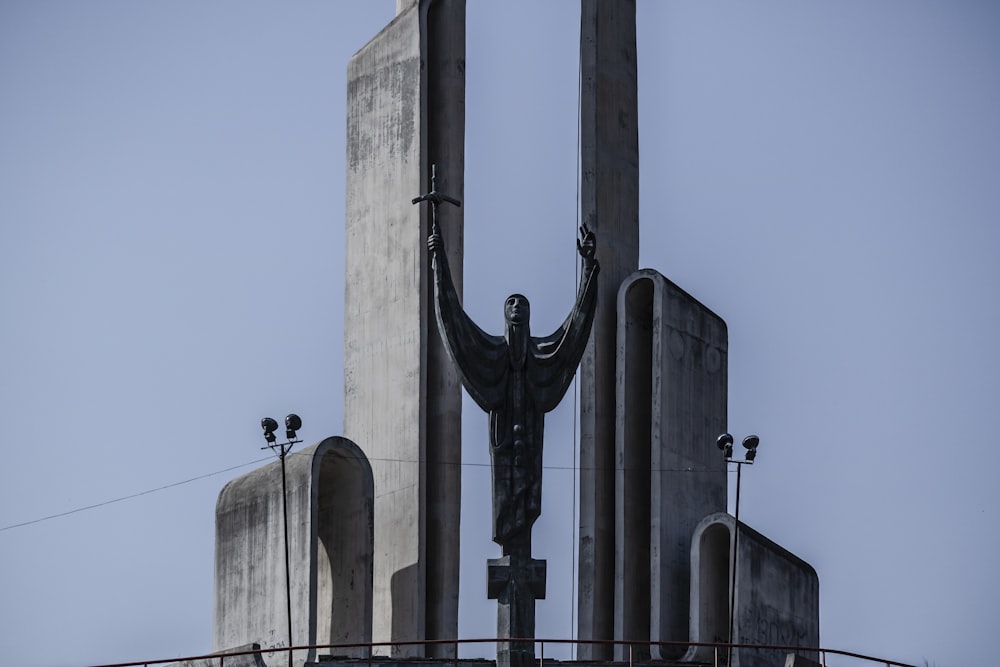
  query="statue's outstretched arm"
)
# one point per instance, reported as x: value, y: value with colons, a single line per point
x: 560, y: 353
x: 479, y: 357
x: 577, y: 323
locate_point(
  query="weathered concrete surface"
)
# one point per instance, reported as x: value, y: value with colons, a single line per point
x: 405, y: 112
x: 671, y: 407
x: 330, y: 516
x: 777, y: 594
x: 609, y: 205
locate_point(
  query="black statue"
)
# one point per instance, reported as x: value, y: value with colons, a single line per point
x: 516, y: 378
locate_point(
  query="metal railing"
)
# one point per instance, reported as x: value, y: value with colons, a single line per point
x: 719, y: 650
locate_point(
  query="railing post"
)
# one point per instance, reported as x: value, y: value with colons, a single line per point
x: 630, y: 655
x: 716, y: 659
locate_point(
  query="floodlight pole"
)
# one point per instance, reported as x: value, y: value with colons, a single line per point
x: 288, y: 569
x: 736, y: 538
x: 283, y: 450
x: 725, y: 443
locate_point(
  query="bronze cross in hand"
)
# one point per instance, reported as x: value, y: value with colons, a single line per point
x: 435, y: 198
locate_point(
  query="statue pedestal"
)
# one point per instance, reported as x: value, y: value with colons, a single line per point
x: 515, y: 581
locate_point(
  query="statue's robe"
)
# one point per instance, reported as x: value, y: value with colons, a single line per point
x: 516, y: 379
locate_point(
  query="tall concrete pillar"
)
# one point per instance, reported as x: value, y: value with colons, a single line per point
x: 405, y: 112
x: 672, y: 389
x: 609, y: 138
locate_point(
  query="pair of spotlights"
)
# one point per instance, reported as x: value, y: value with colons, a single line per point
x: 725, y: 443
x: 292, y: 424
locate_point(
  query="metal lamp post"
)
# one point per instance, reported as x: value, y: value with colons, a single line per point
x: 292, y: 424
x: 725, y: 443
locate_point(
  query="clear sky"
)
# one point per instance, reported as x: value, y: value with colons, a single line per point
x: 825, y: 176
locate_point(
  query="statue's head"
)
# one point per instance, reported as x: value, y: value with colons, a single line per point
x: 516, y: 310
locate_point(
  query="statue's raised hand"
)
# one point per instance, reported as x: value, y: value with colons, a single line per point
x: 435, y: 243
x: 586, y: 245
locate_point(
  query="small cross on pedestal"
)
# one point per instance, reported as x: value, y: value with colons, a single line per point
x: 515, y: 581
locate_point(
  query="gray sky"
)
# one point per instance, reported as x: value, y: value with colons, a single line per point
x: 825, y: 176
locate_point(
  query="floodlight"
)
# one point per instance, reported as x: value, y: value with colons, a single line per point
x: 751, y: 442
x: 269, y: 426
x: 725, y: 443
x: 292, y: 424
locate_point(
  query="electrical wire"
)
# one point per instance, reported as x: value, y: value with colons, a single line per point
x: 131, y: 496
x: 575, y: 468
x: 574, y: 539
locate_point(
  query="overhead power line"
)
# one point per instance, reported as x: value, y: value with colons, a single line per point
x: 266, y: 458
x: 129, y: 497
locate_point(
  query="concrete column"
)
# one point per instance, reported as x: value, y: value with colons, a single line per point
x: 610, y: 206
x: 672, y: 385
x: 406, y: 111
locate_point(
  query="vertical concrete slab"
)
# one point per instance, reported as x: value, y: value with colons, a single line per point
x: 330, y: 521
x: 609, y: 140
x: 405, y: 112
x: 776, y: 601
x: 444, y: 23
x: 633, y: 442
x: 671, y: 400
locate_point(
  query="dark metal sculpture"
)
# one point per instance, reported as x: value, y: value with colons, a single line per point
x: 516, y: 378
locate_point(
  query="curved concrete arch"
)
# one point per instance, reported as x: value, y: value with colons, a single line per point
x: 330, y: 528
x: 776, y: 597
x: 711, y: 546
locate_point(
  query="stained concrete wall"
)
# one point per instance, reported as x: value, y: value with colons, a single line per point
x: 330, y: 494
x: 777, y: 594
x: 609, y: 205
x: 402, y: 399
x: 671, y: 407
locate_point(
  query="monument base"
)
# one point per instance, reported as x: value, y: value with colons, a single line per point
x: 515, y: 581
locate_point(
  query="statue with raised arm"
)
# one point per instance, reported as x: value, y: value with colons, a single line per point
x: 516, y: 378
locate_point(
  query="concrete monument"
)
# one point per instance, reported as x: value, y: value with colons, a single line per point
x: 653, y: 399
